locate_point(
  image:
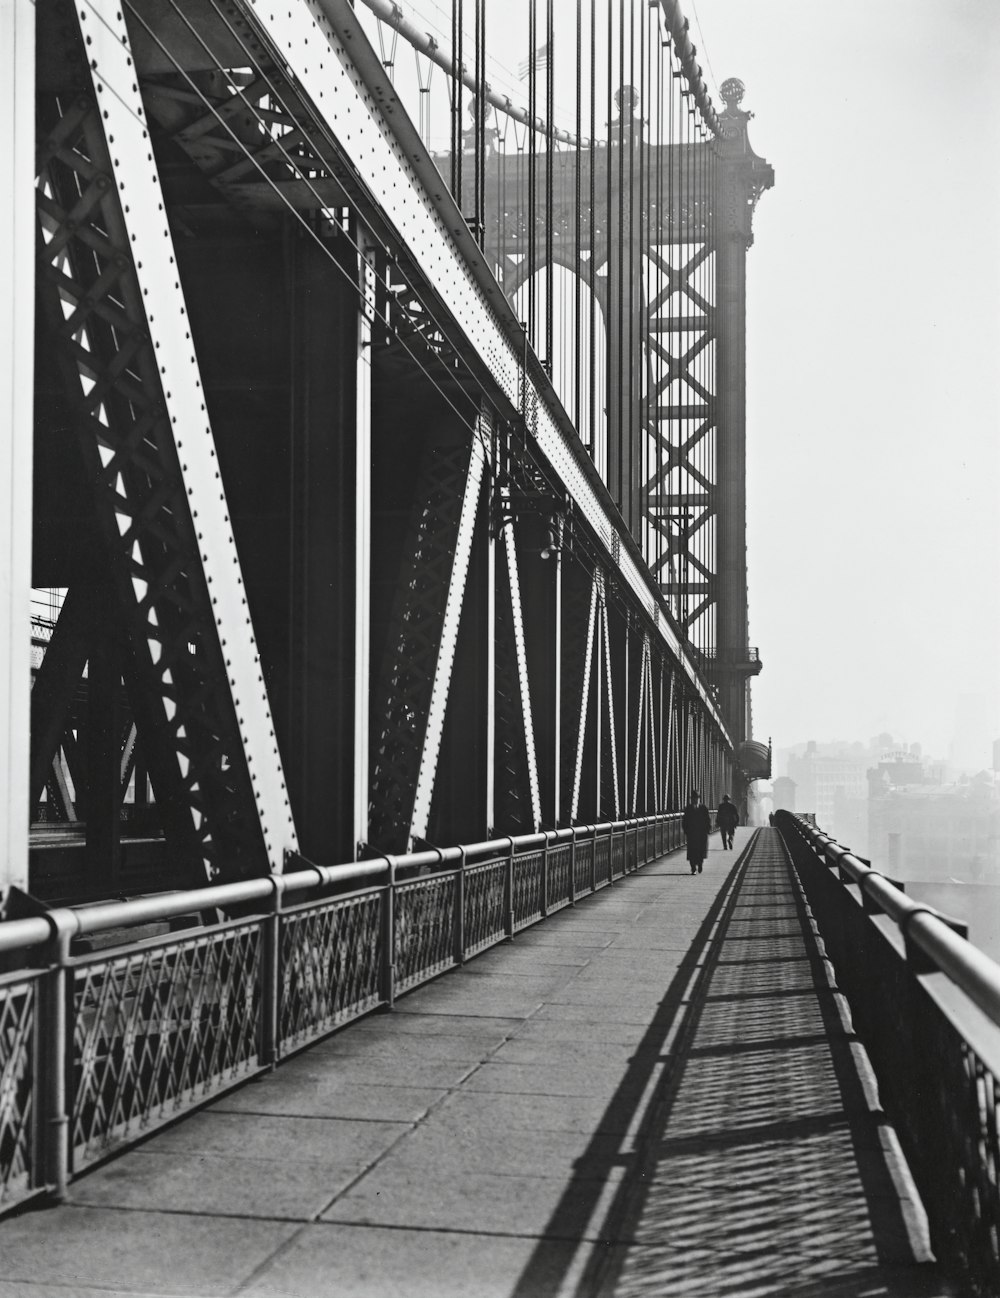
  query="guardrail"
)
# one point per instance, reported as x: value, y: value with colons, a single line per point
x: 98, y: 1048
x: 926, y: 1005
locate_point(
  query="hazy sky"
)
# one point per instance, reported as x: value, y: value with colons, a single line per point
x: 874, y: 340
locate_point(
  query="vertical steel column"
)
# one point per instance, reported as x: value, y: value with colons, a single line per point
x: 17, y: 313
x: 490, y: 738
x: 556, y: 703
x: 362, y: 532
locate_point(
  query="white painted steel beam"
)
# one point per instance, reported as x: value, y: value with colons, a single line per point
x: 137, y: 181
x: 521, y: 653
x: 17, y: 311
x: 612, y: 733
x: 328, y: 52
x: 441, y: 685
x: 581, y: 737
x: 362, y: 541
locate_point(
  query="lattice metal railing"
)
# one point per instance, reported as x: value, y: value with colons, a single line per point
x: 97, y: 1050
x: 159, y: 1030
x: 485, y: 906
x: 528, y: 903
x: 424, y: 930
x: 926, y: 1005
x: 560, y: 875
x: 330, y: 967
x: 18, y: 1117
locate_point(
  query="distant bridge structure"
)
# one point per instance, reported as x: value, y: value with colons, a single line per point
x: 388, y: 498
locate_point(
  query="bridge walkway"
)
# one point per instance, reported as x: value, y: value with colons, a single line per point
x: 653, y: 1093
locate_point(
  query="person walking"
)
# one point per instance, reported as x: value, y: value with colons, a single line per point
x: 697, y: 825
x: 727, y: 818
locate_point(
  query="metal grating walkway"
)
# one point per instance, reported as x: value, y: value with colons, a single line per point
x: 654, y: 1093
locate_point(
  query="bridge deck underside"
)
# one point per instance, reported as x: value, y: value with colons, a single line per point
x: 652, y: 1093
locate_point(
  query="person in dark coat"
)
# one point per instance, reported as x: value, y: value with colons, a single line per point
x: 697, y: 825
x: 727, y: 818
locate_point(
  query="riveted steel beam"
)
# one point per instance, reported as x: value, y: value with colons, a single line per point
x: 116, y: 307
x: 17, y: 240
x: 441, y: 681
x: 322, y: 43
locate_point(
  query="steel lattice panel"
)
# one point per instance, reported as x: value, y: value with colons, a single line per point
x: 160, y: 1030
x: 602, y: 852
x: 559, y: 877
x: 425, y: 929
x: 19, y: 1173
x: 584, y: 865
x: 485, y: 905
x: 527, y: 900
x: 330, y: 966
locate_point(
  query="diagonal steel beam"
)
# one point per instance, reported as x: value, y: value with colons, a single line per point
x: 441, y: 682
x: 154, y: 453
x: 585, y: 699
x: 510, y: 549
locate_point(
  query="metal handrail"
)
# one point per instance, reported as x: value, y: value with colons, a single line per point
x: 30, y: 933
x: 932, y: 932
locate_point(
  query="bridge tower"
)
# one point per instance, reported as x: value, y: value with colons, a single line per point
x: 688, y: 515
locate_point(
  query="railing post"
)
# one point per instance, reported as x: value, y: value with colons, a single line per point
x: 271, y: 975
x: 389, y: 936
x: 54, y: 1065
x: 509, y: 889
x: 460, y: 909
x: 572, y: 868
x: 545, y: 875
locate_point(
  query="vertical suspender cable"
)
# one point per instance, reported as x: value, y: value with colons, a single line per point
x: 577, y: 221
x: 480, y: 107
x: 592, y: 281
x: 550, y: 140
x: 456, y: 102
x: 532, y: 160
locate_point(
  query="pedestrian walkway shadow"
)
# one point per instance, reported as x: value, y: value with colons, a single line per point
x: 760, y: 1167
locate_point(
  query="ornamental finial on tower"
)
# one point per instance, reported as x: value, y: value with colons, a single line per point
x: 732, y: 91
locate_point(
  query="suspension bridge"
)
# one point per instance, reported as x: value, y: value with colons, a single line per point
x: 375, y: 595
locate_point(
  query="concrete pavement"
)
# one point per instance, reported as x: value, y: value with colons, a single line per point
x: 655, y: 1092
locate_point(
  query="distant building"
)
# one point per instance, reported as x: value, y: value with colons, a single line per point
x: 819, y: 776
x: 936, y: 831
x: 783, y: 793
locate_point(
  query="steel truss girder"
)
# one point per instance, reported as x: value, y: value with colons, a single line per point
x: 414, y: 674
x: 321, y: 44
x: 118, y: 313
x: 679, y: 517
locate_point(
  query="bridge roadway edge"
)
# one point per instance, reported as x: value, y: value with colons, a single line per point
x: 492, y: 1136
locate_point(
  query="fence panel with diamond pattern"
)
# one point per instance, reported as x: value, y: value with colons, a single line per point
x: 617, y: 855
x: 527, y: 902
x: 602, y: 853
x: 584, y: 865
x: 485, y: 918
x: 425, y: 929
x: 160, y: 1029
x: 19, y: 1154
x: 559, y: 874
x: 330, y: 963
